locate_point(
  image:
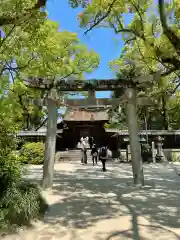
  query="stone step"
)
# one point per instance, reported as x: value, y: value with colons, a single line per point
x: 72, y: 155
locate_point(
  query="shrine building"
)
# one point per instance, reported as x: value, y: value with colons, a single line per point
x: 79, y: 123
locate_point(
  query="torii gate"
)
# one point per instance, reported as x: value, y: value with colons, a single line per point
x: 129, y: 97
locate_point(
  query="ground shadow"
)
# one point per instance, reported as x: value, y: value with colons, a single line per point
x: 89, y: 195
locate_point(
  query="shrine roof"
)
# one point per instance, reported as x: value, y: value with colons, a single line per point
x: 83, y: 115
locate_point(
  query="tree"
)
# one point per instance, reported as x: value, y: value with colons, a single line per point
x: 156, y: 38
x: 15, y: 32
x: 46, y: 52
x: 37, y: 48
x: 19, y: 11
x: 151, y: 40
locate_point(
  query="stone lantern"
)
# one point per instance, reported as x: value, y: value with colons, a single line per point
x: 159, y: 143
x: 128, y: 150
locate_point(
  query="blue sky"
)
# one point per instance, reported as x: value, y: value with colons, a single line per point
x: 103, y: 41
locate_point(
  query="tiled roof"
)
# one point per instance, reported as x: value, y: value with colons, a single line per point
x: 143, y: 132
x: 35, y: 133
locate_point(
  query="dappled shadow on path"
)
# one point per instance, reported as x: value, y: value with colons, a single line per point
x: 87, y: 197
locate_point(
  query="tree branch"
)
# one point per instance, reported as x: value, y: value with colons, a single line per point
x: 127, y: 30
x: 173, y: 61
x: 128, y: 41
x: 143, y: 58
x: 100, y: 19
x: 169, y: 71
x: 174, y: 90
x: 173, y: 38
x: 11, y: 75
x: 9, y: 33
x: 137, y: 8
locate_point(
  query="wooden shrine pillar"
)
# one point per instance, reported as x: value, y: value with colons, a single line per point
x: 136, y: 159
x: 50, y: 144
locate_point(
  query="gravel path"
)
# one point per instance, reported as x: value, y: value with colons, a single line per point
x: 87, y: 204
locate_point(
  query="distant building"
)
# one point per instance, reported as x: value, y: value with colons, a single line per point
x: 89, y: 122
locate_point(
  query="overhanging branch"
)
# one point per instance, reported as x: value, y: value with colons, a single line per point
x: 173, y: 38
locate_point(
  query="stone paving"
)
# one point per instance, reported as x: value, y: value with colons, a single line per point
x: 87, y: 204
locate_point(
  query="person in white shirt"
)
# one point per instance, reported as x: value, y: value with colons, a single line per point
x: 84, y: 151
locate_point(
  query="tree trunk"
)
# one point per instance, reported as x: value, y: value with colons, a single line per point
x: 137, y: 166
x: 50, y: 145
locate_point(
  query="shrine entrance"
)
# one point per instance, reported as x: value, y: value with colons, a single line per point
x: 83, y: 123
x: 84, y: 131
x: 129, y: 98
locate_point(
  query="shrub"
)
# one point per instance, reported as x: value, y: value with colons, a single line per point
x: 8, y: 141
x: 21, y: 203
x: 32, y: 153
x: 10, y: 171
x: 20, y: 200
x: 175, y: 157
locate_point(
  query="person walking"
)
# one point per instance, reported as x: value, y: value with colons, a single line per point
x: 91, y: 141
x: 94, y: 153
x: 103, y: 155
x: 83, y: 151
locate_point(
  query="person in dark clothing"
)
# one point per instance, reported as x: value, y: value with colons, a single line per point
x: 85, y: 155
x: 94, y: 153
x: 91, y: 141
x: 103, y: 157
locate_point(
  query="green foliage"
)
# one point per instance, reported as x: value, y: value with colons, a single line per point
x: 32, y: 153
x: 8, y: 128
x: 150, y: 38
x: 10, y: 171
x: 118, y: 117
x: 175, y: 157
x: 20, y: 203
x: 32, y: 45
x: 151, y: 44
